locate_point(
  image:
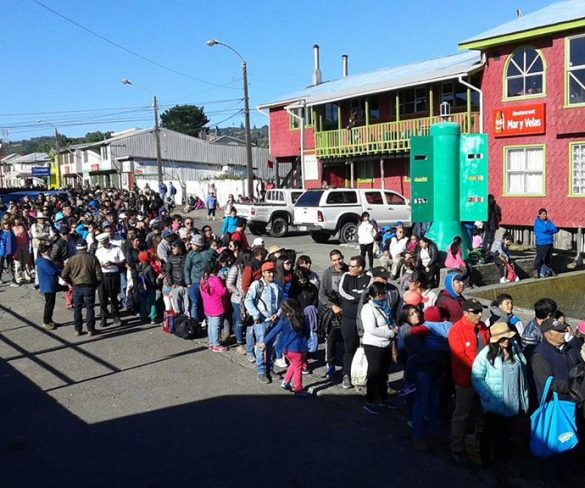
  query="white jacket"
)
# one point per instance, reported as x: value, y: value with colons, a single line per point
x: 366, y: 233
x: 376, y: 330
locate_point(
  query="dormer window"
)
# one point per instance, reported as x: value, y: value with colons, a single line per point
x: 524, y: 74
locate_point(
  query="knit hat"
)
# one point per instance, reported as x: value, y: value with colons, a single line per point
x: 432, y: 314
x: 500, y: 330
x: 183, y: 233
x: 143, y: 257
x: 166, y: 233
x: 412, y: 298
x: 197, y: 240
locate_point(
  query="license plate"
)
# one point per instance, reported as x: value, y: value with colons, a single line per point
x: 302, y: 227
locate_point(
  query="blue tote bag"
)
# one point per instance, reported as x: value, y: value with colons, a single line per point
x: 553, y: 426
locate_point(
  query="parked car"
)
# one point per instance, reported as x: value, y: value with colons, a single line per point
x: 326, y: 212
x: 274, y: 215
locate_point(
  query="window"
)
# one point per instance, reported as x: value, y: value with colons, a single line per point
x: 86, y: 156
x: 578, y: 169
x: 394, y: 198
x: 524, y: 168
x: 340, y: 197
x: 524, y: 73
x: 576, y: 70
x: 413, y: 101
x: 295, y: 123
x: 374, y: 198
x: 105, y: 153
x: 454, y: 98
x: 331, y: 117
x: 373, y: 109
x: 309, y: 199
x: 294, y: 196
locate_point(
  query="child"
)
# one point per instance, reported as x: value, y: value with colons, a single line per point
x: 294, y: 335
x: 477, y: 241
x: 146, y: 288
x: 22, y: 255
x: 214, y: 297
x: 211, y: 206
x: 501, y: 256
x: 366, y: 233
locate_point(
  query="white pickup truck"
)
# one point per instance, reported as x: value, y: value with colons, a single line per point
x: 326, y: 212
x: 274, y: 215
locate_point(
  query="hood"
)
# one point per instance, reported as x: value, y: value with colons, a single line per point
x: 449, y: 285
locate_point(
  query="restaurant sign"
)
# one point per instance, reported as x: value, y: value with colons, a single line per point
x: 519, y: 120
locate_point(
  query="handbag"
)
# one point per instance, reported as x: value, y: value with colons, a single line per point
x: 359, y: 368
x: 552, y: 426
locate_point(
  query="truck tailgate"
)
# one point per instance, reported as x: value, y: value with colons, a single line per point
x: 306, y: 215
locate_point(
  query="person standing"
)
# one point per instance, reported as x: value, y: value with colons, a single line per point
x: 83, y: 273
x: 112, y: 260
x: 492, y: 224
x: 467, y: 338
x: 48, y: 274
x: 7, y: 248
x: 366, y: 234
x: 544, y: 231
x: 211, y: 206
x: 162, y: 190
x: 352, y: 286
x: 195, y: 263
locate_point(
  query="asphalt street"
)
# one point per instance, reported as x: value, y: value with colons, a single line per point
x: 135, y: 408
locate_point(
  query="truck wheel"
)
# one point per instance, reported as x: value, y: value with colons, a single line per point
x: 320, y: 237
x: 257, y: 229
x: 279, y: 227
x: 348, y: 233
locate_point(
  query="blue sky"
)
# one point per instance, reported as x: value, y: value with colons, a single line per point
x: 52, y: 70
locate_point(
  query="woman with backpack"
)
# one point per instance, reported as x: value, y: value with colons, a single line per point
x: 294, y: 334
x: 214, y: 297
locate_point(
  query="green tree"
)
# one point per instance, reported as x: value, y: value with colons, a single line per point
x: 187, y: 119
x: 96, y: 136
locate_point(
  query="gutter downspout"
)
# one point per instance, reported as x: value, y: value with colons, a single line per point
x: 474, y: 88
x: 301, y: 118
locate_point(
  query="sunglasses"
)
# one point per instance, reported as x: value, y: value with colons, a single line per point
x: 475, y: 312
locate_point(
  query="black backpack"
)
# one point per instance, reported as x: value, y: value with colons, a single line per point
x: 185, y: 328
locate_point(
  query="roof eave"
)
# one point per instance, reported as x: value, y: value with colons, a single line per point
x: 522, y: 36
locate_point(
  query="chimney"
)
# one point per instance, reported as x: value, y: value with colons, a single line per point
x: 344, y: 66
x: 316, y: 71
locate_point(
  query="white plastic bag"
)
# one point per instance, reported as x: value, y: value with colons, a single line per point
x: 359, y: 368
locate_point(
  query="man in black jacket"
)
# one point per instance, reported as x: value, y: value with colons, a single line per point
x: 351, y: 288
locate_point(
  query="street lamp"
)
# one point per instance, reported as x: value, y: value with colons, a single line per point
x: 57, y: 149
x: 250, y: 172
x: 126, y: 81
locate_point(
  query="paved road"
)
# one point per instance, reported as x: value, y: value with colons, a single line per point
x: 135, y: 408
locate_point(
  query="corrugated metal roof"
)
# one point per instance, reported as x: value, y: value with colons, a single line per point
x: 386, y: 79
x: 36, y: 157
x: 556, y: 13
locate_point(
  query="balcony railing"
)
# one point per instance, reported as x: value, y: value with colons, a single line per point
x: 387, y: 137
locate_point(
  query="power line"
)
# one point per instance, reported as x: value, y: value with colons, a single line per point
x: 125, y: 49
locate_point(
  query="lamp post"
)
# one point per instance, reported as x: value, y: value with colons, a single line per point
x: 126, y: 81
x: 57, y: 149
x: 249, y: 170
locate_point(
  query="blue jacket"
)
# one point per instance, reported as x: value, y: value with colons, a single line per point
x: 437, y: 339
x: 544, y: 230
x: 229, y: 224
x: 7, y: 243
x: 290, y: 340
x: 48, y: 274
x: 488, y: 382
x: 211, y: 202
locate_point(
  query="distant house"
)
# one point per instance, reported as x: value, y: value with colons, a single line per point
x: 232, y: 141
x: 27, y: 170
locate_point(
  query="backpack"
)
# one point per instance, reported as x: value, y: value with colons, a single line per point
x: 185, y: 328
x: 246, y: 320
x: 545, y: 271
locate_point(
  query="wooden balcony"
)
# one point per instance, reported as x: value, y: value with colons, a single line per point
x: 384, y: 138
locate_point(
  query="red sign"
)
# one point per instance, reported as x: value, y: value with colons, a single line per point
x: 95, y: 167
x: 520, y: 120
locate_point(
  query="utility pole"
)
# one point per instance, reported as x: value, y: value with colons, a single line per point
x: 58, y: 168
x: 249, y: 168
x: 157, y: 138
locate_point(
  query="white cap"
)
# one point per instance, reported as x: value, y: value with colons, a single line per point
x: 103, y: 236
x: 258, y: 242
x: 183, y: 233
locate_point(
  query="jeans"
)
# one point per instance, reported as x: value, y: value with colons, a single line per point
x: 123, y: 286
x: 426, y: 404
x: 196, y: 305
x: 543, y: 256
x: 378, y: 363
x: 369, y: 250
x: 260, y: 330
x: 83, y: 295
x: 295, y: 370
x: 179, y: 297
x: 49, y: 307
x: 213, y: 326
x: 350, y: 342
x: 250, y: 339
x: 237, y: 326
x: 488, y: 239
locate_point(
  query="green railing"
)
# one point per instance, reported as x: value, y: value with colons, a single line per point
x: 386, y: 137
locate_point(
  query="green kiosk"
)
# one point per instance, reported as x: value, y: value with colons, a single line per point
x: 449, y: 174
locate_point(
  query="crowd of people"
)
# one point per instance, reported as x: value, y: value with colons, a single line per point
x: 269, y: 305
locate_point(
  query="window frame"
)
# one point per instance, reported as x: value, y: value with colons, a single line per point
x: 505, y: 150
x: 294, y: 124
x: 416, y: 100
x: 567, y: 103
x: 571, y: 169
x: 505, y: 96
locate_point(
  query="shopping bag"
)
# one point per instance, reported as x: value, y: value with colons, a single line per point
x: 553, y: 429
x: 359, y: 368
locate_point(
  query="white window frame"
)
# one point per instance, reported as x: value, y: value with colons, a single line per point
x: 524, y: 74
x: 524, y: 171
x: 577, y: 171
x: 569, y: 69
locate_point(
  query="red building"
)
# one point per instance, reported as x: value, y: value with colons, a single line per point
x: 534, y: 114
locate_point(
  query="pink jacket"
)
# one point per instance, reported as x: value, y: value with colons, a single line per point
x: 214, y: 294
x: 454, y: 262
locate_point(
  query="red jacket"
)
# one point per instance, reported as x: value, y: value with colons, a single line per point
x: 450, y: 306
x: 463, y: 341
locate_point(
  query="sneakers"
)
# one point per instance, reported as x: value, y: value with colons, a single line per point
x: 371, y: 408
x: 50, y: 326
x: 241, y: 350
x: 503, y: 280
x: 406, y: 390
x: 94, y: 332
x: 262, y: 378
x: 285, y: 386
x: 306, y: 371
x: 116, y: 321
x: 79, y: 333
x: 330, y: 372
x: 218, y: 349
x: 251, y: 357
x: 346, y: 383
x: 387, y: 404
x: 281, y: 362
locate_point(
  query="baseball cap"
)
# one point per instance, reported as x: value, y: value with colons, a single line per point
x: 500, y: 330
x: 472, y: 305
x: 268, y: 266
x: 412, y: 298
x: 380, y: 272
x: 258, y: 242
x: 553, y: 324
x: 81, y: 244
x: 102, y: 237
x: 198, y: 240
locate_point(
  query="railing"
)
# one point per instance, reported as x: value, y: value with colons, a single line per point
x: 386, y: 137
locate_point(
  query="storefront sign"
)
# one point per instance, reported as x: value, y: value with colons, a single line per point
x: 311, y: 167
x: 41, y: 171
x: 520, y: 120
